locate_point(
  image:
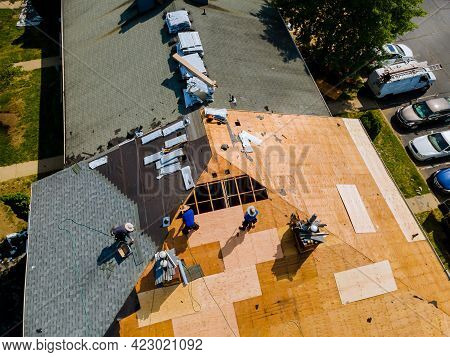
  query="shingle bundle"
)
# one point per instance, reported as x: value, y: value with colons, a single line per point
x: 177, y: 21
x: 197, y: 92
x: 196, y: 62
x: 189, y: 43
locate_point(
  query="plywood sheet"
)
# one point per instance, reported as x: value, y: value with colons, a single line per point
x: 355, y: 208
x: 221, y: 323
x: 365, y: 282
x: 394, y: 200
x: 217, y: 226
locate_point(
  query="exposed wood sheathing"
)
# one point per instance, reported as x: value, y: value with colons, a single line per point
x: 300, y: 161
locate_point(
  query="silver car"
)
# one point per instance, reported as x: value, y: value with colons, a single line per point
x: 428, y: 111
x: 431, y: 146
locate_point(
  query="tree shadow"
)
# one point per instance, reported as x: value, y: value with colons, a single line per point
x: 433, y: 225
x: 136, y: 14
x: 275, y: 32
x: 46, y: 38
x: 288, y: 266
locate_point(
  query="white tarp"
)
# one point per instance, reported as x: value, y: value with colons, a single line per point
x: 178, y: 140
x: 152, y: 136
x: 99, y: 162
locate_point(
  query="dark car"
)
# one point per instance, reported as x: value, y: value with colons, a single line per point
x: 428, y: 111
x: 441, y: 180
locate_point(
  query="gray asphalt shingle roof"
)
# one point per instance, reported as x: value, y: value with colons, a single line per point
x: 118, y: 77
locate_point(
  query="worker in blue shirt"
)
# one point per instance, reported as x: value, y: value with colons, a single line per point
x: 188, y: 220
x: 249, y: 219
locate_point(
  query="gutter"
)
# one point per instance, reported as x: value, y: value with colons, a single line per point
x: 63, y: 91
x: 26, y: 265
x: 304, y: 62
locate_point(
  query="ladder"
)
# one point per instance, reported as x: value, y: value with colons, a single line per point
x: 407, y: 71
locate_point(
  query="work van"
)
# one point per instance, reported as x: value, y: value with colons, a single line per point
x: 402, y: 77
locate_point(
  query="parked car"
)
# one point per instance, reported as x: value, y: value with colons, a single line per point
x: 441, y: 180
x: 395, y: 53
x: 431, y: 146
x: 428, y: 111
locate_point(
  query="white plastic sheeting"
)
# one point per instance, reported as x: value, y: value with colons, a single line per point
x: 246, y: 139
x: 28, y: 16
x: 197, y: 91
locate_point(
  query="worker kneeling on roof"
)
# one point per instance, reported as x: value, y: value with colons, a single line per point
x: 188, y: 220
x: 121, y: 233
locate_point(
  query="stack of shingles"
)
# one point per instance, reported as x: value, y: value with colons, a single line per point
x: 177, y: 21
x: 167, y: 161
x: 190, y: 47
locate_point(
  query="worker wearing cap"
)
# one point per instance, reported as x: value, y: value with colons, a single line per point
x: 249, y: 218
x: 188, y: 220
x: 121, y: 233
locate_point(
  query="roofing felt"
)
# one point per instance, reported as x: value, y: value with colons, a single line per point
x: 118, y: 73
x: 75, y: 284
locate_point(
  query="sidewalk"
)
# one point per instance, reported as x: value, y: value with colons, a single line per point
x: 422, y: 203
x: 8, y: 5
x: 39, y: 63
x: 31, y: 168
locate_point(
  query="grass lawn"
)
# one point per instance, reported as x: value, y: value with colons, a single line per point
x: 17, y: 44
x: 9, y: 223
x: 431, y: 223
x: 30, y: 110
x: 395, y: 157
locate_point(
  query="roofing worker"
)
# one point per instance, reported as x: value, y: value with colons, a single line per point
x: 121, y: 233
x: 249, y: 218
x: 188, y: 220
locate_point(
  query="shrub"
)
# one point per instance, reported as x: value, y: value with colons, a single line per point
x: 19, y: 204
x: 7, y: 74
x: 372, y: 123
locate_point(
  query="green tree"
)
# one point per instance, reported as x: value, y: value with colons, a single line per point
x: 343, y: 36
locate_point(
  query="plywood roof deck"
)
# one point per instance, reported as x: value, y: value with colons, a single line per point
x: 301, y: 160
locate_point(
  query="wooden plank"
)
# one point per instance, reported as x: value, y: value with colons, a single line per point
x: 365, y: 282
x: 194, y: 71
x: 355, y: 208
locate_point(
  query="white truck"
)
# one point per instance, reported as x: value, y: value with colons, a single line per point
x: 402, y: 77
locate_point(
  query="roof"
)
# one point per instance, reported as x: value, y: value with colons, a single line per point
x: 258, y: 284
x: 75, y: 283
x: 118, y: 73
x: 438, y: 104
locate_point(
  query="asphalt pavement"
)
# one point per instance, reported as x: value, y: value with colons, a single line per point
x: 429, y: 42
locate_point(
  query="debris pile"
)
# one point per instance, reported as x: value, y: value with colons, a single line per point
x: 197, y: 92
x: 28, y: 16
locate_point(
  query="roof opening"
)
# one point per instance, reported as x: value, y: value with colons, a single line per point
x: 216, y: 195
